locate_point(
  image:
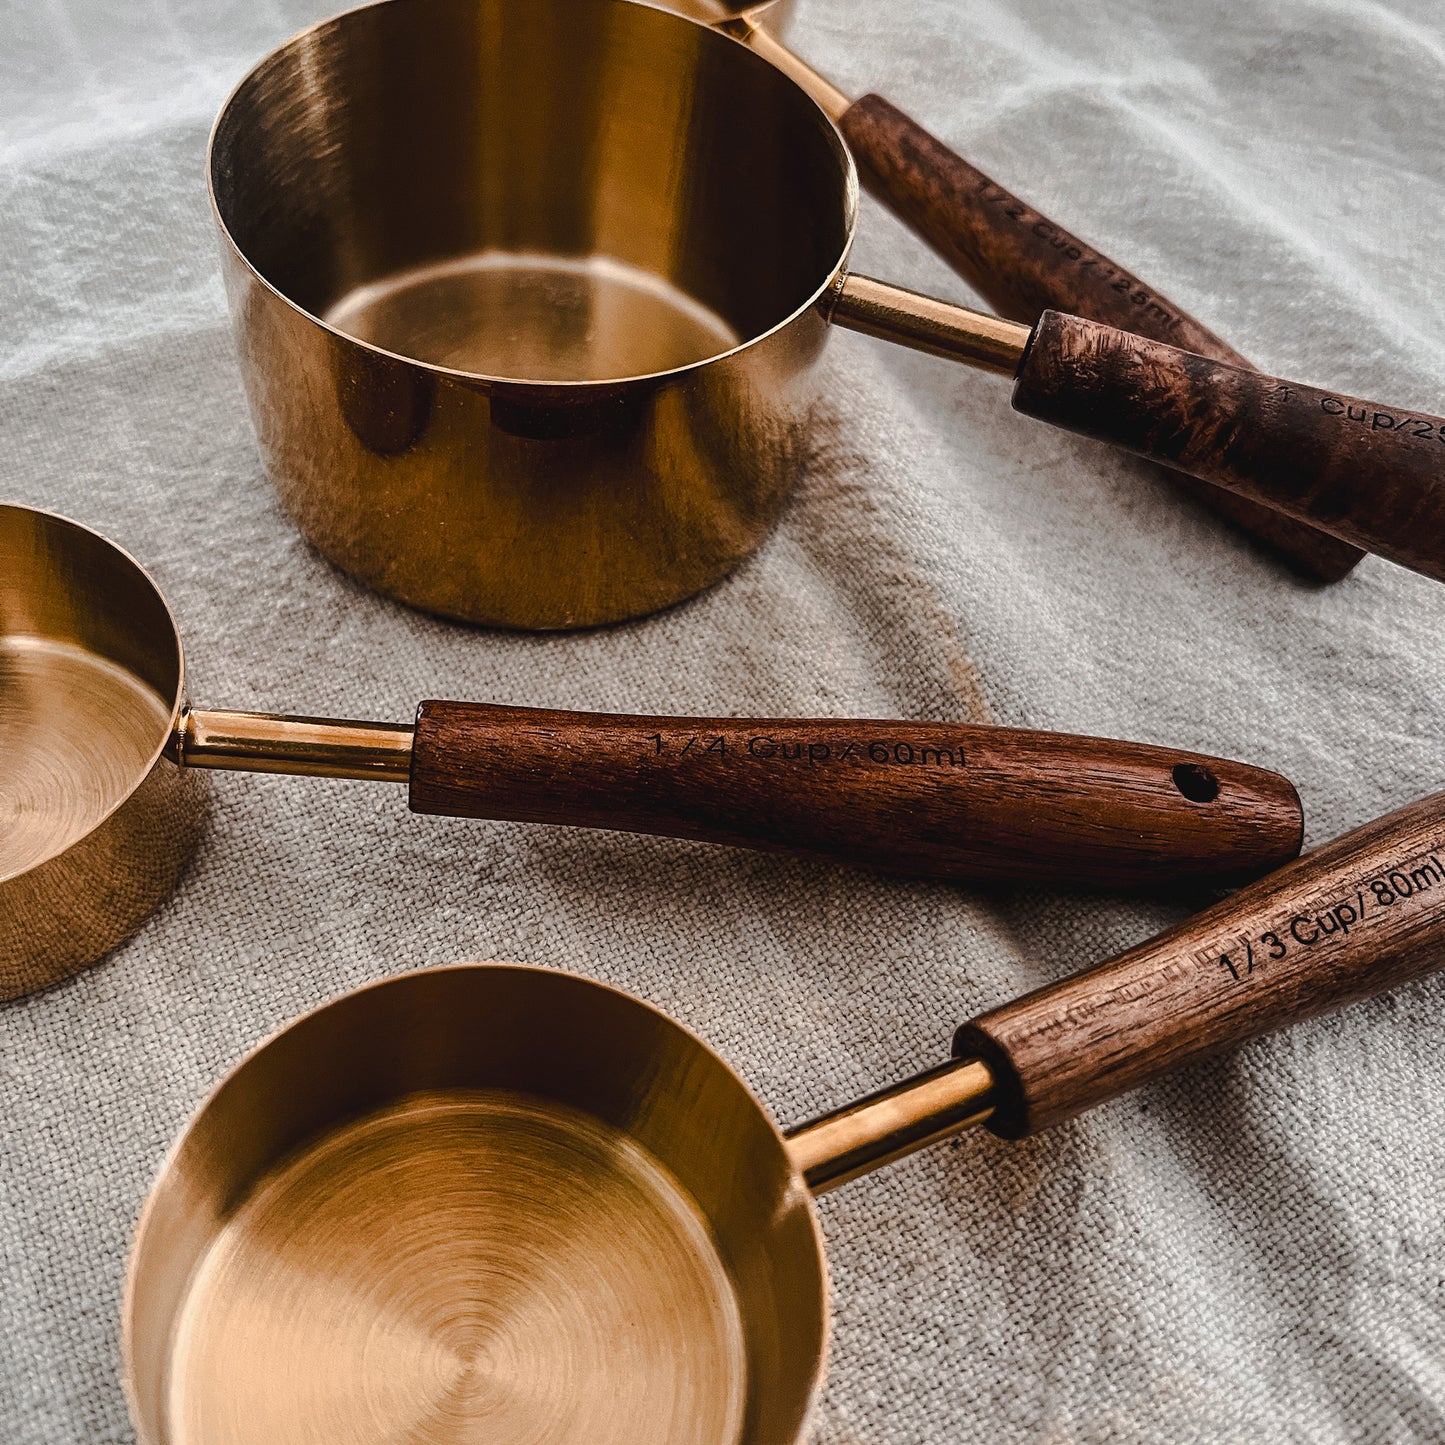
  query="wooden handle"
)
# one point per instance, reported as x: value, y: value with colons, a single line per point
x: 1371, y: 475
x: 1018, y: 260
x: 1024, y: 264
x: 1361, y: 915
x: 934, y: 799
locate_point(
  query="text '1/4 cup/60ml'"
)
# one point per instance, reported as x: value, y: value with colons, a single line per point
x: 102, y: 753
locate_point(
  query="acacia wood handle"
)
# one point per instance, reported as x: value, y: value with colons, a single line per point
x: 1023, y: 264
x: 933, y: 799
x: 1371, y: 475
x: 1357, y: 917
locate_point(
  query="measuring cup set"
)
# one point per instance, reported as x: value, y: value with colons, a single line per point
x: 528, y: 295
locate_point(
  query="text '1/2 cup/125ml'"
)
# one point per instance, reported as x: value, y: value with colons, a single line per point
x: 1017, y: 259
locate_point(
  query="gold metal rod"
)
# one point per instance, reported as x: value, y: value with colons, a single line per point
x: 938, y: 327
x: 840, y: 1146
x: 829, y: 97
x: 257, y: 742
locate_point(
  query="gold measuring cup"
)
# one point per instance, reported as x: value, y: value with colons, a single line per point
x: 527, y: 294
x: 504, y: 1203
x: 99, y: 811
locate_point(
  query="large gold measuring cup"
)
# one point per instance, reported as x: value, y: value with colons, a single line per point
x: 99, y: 809
x: 527, y: 294
x: 500, y: 1203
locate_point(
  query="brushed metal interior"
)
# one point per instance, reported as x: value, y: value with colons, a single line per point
x: 551, y: 318
x: 525, y: 297
x: 481, y: 1202
x: 95, y: 825
x: 77, y: 733
x: 455, y: 1256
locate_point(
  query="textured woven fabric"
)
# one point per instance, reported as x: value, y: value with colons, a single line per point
x: 1253, y: 1250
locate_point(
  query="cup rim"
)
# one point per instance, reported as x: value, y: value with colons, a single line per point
x: 487, y: 380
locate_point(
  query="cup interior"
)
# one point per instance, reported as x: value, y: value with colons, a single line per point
x: 533, y: 190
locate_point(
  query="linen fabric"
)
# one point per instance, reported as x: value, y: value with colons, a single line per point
x: 1252, y: 1250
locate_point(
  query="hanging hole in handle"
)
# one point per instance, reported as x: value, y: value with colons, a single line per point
x: 1197, y: 784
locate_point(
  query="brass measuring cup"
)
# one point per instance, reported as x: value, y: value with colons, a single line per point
x: 505, y: 1203
x: 527, y: 294
x: 1017, y: 259
x: 99, y: 810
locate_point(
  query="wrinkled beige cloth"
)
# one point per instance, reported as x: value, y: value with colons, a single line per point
x: 1252, y: 1251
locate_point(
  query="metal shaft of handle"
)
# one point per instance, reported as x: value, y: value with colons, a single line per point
x: 254, y: 742
x: 923, y: 323
x: 840, y: 1146
x: 829, y: 98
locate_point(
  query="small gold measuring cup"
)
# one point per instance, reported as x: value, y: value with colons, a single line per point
x: 99, y: 807
x: 492, y: 1202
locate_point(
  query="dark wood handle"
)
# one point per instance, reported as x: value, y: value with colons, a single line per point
x: 1016, y: 258
x: 934, y: 799
x: 1024, y: 264
x: 1371, y: 475
x: 1357, y: 917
